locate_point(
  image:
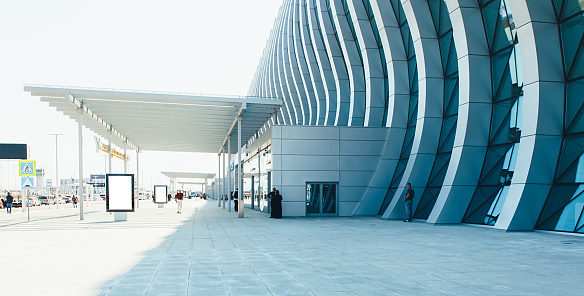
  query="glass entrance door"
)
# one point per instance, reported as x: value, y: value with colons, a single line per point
x: 321, y: 199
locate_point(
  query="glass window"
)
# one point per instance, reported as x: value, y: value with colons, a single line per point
x: 506, y: 115
x: 413, y: 104
x: 563, y: 208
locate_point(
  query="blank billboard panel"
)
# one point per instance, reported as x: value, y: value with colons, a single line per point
x: 119, y: 193
x: 13, y: 151
x: 160, y: 193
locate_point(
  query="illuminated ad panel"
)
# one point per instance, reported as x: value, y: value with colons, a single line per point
x: 119, y: 193
x: 160, y: 193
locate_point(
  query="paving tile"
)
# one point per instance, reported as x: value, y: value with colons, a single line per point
x: 213, y: 252
x: 208, y: 292
x: 252, y: 291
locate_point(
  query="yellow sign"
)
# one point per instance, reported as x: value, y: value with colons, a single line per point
x: 105, y: 148
x: 27, y: 168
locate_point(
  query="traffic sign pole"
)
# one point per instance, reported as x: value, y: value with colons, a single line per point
x: 23, y: 199
x: 27, y: 206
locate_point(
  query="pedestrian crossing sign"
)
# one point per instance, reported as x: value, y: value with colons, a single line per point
x: 26, y: 168
x: 27, y: 182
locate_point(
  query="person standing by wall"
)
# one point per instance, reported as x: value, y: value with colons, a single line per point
x: 271, y: 196
x: 277, y: 205
x: 178, y: 197
x: 409, y: 200
x: 9, y: 200
x: 235, y: 198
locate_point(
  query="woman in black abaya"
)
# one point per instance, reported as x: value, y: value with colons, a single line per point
x: 277, y: 205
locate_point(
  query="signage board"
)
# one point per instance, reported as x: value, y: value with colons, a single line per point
x: 13, y: 151
x: 26, y: 168
x: 27, y: 182
x: 119, y: 193
x: 160, y: 193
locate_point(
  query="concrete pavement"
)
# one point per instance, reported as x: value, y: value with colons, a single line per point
x: 209, y: 251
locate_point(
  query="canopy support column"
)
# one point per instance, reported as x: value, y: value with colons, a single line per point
x: 218, y: 190
x: 259, y: 181
x: 80, y: 183
x: 137, y: 178
x: 110, y: 151
x: 125, y: 155
x: 229, y: 196
x: 240, y: 201
x: 224, y: 185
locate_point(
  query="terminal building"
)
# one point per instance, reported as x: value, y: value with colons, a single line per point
x: 477, y: 103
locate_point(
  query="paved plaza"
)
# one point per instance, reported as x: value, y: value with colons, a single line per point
x: 209, y: 251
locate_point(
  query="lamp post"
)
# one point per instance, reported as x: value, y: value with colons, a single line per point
x: 105, y: 164
x: 57, y: 183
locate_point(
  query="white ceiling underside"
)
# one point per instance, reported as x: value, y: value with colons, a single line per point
x: 160, y: 121
x: 189, y: 175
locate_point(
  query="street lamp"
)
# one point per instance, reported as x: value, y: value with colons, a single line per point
x: 57, y: 183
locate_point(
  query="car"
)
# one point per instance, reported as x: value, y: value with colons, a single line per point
x: 45, y: 200
x: 33, y: 202
x: 143, y: 195
x: 36, y: 201
x: 64, y: 199
x: 17, y: 204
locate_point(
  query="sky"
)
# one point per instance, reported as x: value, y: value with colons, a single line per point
x: 208, y: 47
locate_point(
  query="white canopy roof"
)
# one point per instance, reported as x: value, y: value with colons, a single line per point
x: 191, y: 183
x: 161, y: 121
x: 189, y: 175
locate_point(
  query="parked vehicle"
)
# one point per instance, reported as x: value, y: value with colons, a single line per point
x: 45, y: 200
x: 64, y: 199
x: 33, y: 202
x: 17, y: 204
x: 143, y: 195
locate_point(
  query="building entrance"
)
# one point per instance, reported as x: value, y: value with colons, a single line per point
x: 321, y: 199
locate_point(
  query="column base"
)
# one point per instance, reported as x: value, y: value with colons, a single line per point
x: 120, y: 216
x: 240, y: 207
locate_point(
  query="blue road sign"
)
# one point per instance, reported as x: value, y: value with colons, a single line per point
x: 26, y: 168
x: 27, y: 182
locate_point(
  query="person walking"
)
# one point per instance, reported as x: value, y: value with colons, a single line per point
x: 277, y: 205
x: 9, y: 200
x: 409, y: 200
x: 235, y: 199
x: 74, y: 201
x: 178, y: 197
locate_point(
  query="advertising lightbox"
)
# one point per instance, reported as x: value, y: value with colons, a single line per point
x: 119, y: 193
x: 160, y: 193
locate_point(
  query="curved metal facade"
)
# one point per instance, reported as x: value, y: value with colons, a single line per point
x: 483, y: 99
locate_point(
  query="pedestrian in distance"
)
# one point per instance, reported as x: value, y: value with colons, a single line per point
x: 74, y: 201
x: 277, y: 205
x: 409, y: 200
x: 178, y: 198
x: 3, y: 203
x: 9, y: 200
